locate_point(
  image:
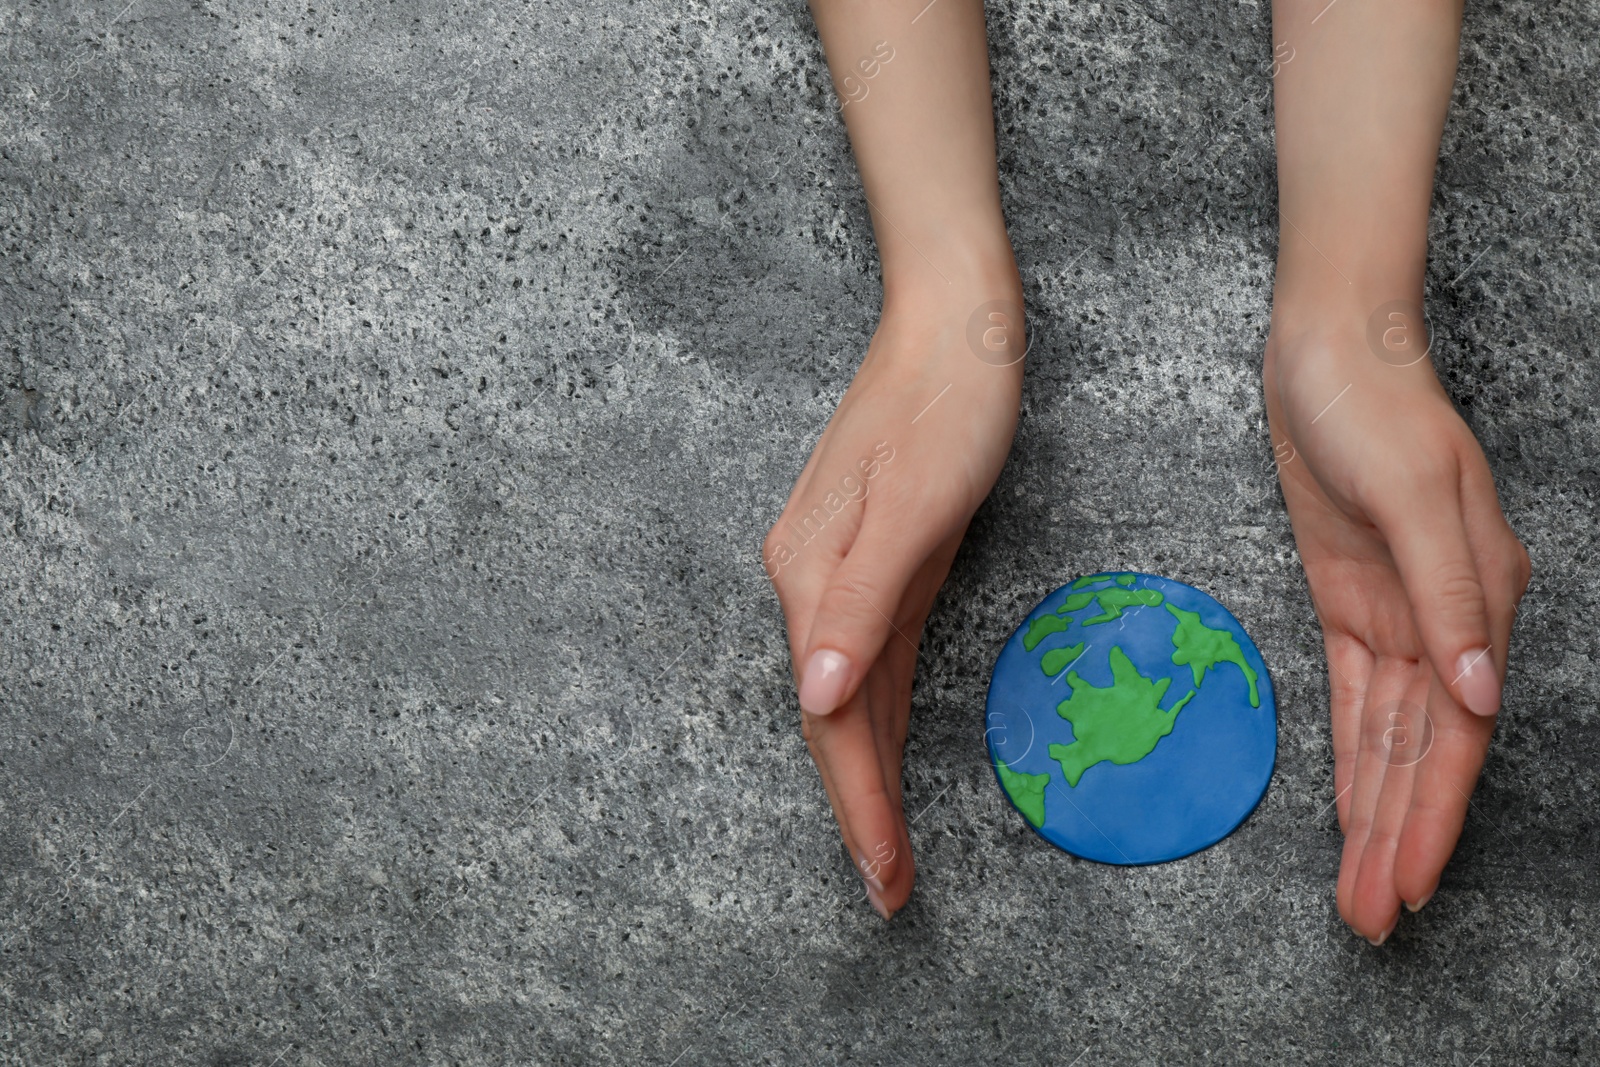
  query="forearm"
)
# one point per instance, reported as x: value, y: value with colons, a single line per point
x: 1360, y: 110
x: 914, y: 84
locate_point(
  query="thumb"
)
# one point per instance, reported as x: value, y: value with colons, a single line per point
x: 856, y: 613
x: 1428, y: 538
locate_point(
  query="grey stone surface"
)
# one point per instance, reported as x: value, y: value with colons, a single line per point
x: 395, y: 396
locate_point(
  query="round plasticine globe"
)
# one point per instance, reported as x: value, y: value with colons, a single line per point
x: 1130, y: 719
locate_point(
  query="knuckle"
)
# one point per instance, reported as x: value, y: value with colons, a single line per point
x: 1396, y: 496
x: 1424, y: 473
x: 1371, y: 745
x: 1507, y: 572
x: 769, y: 549
x: 776, y: 555
x: 844, y: 607
x: 1383, y: 836
x: 1454, y: 588
x: 1432, y: 805
x: 1523, y: 570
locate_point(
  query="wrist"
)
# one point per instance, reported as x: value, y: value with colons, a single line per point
x: 1343, y: 281
x: 1383, y: 350
x: 953, y: 267
x: 1366, y: 313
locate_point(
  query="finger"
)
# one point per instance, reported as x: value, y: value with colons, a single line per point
x: 855, y: 613
x: 1349, y: 675
x: 1422, y: 522
x: 1390, y: 676
x: 887, y: 693
x: 802, y: 551
x: 883, y: 693
x: 1440, y: 796
x: 888, y: 690
x: 889, y: 702
x: 1502, y: 561
x: 892, y: 714
x: 1374, y: 903
x: 846, y: 754
x: 1448, y: 774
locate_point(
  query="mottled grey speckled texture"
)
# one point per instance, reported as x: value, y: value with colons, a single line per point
x: 395, y: 396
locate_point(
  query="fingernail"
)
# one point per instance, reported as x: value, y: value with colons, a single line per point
x: 1419, y: 905
x: 877, y: 903
x: 1475, y: 677
x: 1385, y: 935
x: 869, y: 873
x: 823, y: 681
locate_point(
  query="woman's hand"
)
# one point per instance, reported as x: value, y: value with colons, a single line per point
x: 1416, y: 576
x: 869, y: 532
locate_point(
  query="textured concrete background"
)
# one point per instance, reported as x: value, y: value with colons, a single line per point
x: 395, y: 396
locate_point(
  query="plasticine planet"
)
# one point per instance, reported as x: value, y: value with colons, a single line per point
x: 1131, y: 720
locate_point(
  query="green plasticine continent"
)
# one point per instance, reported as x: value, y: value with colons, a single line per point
x: 1074, y: 602
x: 1057, y: 658
x: 1043, y: 627
x: 1121, y: 724
x: 1025, y: 790
x: 1112, y: 601
x: 1202, y: 648
x: 1095, y: 579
